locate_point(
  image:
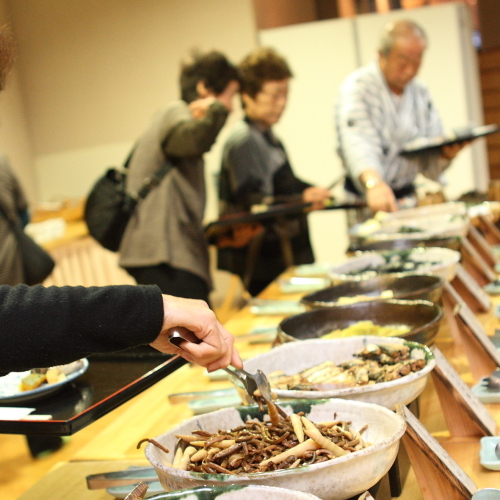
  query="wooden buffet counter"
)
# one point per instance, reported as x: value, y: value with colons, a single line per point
x: 150, y: 414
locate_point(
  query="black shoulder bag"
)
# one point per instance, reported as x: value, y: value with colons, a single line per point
x: 109, y: 207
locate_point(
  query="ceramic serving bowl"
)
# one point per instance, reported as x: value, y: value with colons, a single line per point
x: 336, y: 479
x: 410, y: 228
x: 235, y: 492
x: 421, y: 316
x: 451, y: 242
x: 448, y: 208
x: 312, y: 352
x: 412, y: 287
x: 440, y: 262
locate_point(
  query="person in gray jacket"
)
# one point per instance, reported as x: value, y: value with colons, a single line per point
x: 164, y: 242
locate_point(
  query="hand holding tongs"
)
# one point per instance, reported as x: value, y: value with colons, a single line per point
x: 252, y: 383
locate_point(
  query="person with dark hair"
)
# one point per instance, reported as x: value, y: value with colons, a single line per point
x: 255, y: 170
x: 164, y: 242
x: 380, y: 108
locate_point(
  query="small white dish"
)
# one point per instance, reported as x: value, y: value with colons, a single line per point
x: 9, y: 385
x: 487, y: 457
x: 264, y: 307
x: 314, y: 269
x: 483, y: 394
x: 486, y: 494
x: 202, y: 406
x: 493, y: 288
x: 297, y: 284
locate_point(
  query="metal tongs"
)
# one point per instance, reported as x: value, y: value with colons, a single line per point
x: 138, y: 493
x: 251, y: 383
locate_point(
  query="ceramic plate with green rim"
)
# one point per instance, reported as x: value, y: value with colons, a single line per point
x: 251, y: 492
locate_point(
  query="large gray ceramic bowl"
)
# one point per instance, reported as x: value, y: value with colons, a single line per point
x: 412, y: 287
x: 436, y: 261
x: 438, y: 225
x: 336, y: 479
x: 310, y: 353
x: 451, y: 242
x: 421, y: 316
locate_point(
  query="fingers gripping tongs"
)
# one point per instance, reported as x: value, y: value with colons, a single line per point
x: 251, y: 383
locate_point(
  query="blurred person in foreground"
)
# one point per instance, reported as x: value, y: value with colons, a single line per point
x: 13, y: 209
x: 42, y: 327
x: 13, y: 204
x: 380, y: 108
x: 256, y: 170
x: 164, y: 243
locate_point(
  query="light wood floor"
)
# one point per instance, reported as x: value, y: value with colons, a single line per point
x: 19, y: 471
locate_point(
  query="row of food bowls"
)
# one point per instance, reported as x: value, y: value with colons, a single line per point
x: 369, y: 405
x: 415, y: 298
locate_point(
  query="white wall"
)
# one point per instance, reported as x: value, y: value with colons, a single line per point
x: 307, y: 124
x: 450, y: 71
x: 14, y: 134
x: 93, y: 72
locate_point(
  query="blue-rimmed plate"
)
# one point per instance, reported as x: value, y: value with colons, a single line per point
x: 11, y: 393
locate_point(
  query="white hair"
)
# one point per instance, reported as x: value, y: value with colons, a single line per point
x: 403, y: 28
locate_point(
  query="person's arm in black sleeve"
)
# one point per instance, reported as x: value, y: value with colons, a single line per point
x: 193, y: 137
x: 43, y: 327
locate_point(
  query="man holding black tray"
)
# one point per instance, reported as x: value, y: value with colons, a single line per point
x: 256, y: 171
x: 381, y: 107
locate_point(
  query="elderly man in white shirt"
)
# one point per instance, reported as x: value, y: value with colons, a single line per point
x: 380, y: 108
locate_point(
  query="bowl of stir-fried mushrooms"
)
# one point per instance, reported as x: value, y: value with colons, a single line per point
x: 412, y: 320
x: 411, y: 287
x: 440, y: 262
x: 315, y: 446
x: 370, y: 369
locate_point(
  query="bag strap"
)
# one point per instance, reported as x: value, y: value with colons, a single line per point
x: 149, y: 182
